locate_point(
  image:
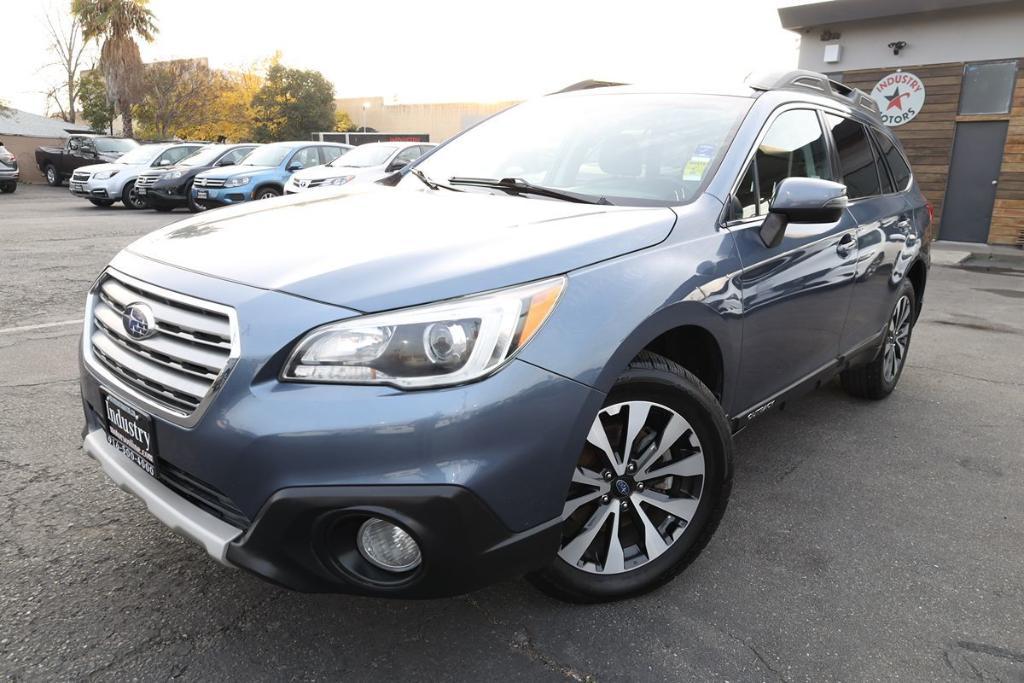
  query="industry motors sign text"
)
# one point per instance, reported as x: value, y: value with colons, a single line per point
x: 900, y: 97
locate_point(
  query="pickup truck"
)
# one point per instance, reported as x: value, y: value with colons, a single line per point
x: 58, y: 163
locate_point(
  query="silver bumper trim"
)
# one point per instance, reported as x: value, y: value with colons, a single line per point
x: 163, y: 503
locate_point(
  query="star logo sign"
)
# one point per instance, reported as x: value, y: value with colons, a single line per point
x: 896, y: 99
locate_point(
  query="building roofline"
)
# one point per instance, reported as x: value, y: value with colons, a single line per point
x: 831, y: 12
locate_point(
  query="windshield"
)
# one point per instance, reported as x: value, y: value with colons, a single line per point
x: 631, y: 149
x: 204, y: 156
x: 269, y: 155
x: 371, y: 154
x: 114, y: 145
x: 141, y: 155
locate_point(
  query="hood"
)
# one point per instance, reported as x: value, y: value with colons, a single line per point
x: 324, y: 171
x: 96, y: 168
x: 376, y: 248
x: 228, y: 171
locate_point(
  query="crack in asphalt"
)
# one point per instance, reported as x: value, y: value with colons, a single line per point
x: 523, y: 642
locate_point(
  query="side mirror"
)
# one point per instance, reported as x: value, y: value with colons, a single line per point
x: 802, y: 200
x: 73, y: 146
x: 164, y: 162
x: 396, y: 166
x: 295, y: 166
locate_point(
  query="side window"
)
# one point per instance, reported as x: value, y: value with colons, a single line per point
x: 307, y: 156
x: 857, y: 164
x: 406, y: 155
x: 234, y: 156
x: 898, y: 166
x: 174, y: 155
x: 329, y: 154
x: 794, y: 147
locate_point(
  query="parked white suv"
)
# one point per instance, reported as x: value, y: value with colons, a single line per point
x: 363, y: 164
x: 104, y: 184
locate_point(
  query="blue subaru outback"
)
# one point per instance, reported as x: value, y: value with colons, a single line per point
x: 262, y: 174
x: 527, y: 353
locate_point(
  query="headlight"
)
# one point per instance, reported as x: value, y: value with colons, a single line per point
x: 237, y: 181
x: 172, y: 175
x: 103, y: 175
x: 428, y: 346
x: 340, y: 180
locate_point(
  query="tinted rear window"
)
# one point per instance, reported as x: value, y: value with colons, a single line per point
x: 897, y: 164
x: 856, y: 160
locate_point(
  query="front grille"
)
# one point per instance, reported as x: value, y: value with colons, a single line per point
x: 200, y: 181
x: 146, y: 180
x: 177, y: 367
x: 81, y: 176
x: 201, y: 494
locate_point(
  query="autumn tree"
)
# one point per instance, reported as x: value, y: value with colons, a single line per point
x: 68, y: 48
x: 116, y: 24
x: 177, y: 98
x: 96, y: 108
x: 343, y: 122
x: 230, y: 112
x: 292, y: 104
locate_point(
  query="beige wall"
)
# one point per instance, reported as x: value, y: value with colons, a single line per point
x: 24, y: 148
x: 439, y: 120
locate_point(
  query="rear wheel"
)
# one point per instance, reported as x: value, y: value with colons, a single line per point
x: 102, y: 202
x: 131, y: 197
x: 648, y: 490
x: 52, y: 177
x: 877, y: 379
x: 193, y: 205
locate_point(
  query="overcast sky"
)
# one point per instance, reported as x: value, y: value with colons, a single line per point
x: 414, y: 51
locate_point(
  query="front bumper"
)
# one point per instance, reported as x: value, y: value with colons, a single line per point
x: 96, y: 189
x: 166, y: 196
x: 7, y: 174
x: 222, y: 196
x: 477, y: 473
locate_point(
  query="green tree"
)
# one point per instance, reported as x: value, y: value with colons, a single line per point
x: 343, y: 122
x: 96, y: 108
x: 116, y: 24
x: 292, y: 104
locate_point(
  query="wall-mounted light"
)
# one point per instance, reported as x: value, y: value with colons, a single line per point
x: 897, y: 46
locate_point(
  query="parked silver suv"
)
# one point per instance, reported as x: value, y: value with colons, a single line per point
x: 8, y: 170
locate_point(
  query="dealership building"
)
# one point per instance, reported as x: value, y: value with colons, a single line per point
x: 945, y: 76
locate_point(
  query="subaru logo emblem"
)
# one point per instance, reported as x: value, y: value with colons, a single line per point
x: 621, y: 487
x: 138, y: 321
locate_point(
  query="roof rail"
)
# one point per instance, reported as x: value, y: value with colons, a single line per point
x: 801, y: 79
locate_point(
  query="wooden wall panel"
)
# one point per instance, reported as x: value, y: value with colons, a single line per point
x: 928, y: 141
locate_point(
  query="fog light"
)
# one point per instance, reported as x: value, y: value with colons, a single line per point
x: 388, y: 546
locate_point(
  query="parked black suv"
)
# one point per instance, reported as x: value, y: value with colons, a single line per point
x: 168, y: 189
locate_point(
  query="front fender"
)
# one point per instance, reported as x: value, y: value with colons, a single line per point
x: 611, y: 310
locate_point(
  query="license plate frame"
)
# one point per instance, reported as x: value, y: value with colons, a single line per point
x: 131, y: 431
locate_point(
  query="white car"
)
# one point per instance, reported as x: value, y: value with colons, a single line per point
x: 104, y: 184
x: 363, y: 164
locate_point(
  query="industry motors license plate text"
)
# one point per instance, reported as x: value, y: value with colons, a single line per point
x: 131, y: 431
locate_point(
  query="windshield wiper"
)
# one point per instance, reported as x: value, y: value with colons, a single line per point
x: 429, y: 182
x: 520, y: 186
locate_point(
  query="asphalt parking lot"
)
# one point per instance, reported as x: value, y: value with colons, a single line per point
x: 864, y: 541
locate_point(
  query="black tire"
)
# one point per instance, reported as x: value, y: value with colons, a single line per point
x: 53, y: 178
x: 193, y: 205
x: 266, y: 193
x: 131, y: 199
x: 105, y: 203
x: 651, y: 377
x: 870, y: 380
x: 9, y: 187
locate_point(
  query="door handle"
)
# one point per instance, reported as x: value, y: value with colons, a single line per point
x: 846, y: 244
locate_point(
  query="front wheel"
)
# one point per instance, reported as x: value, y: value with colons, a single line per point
x: 193, y: 205
x: 102, y: 202
x: 649, y: 488
x: 52, y: 177
x: 266, y: 193
x: 877, y: 379
x: 131, y: 197
x: 8, y: 187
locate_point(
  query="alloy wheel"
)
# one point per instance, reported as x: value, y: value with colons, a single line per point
x: 635, y: 489
x: 897, y: 339
x: 51, y: 175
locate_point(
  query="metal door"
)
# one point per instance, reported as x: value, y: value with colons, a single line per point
x: 973, y: 174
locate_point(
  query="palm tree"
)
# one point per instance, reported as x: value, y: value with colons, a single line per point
x: 116, y: 24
